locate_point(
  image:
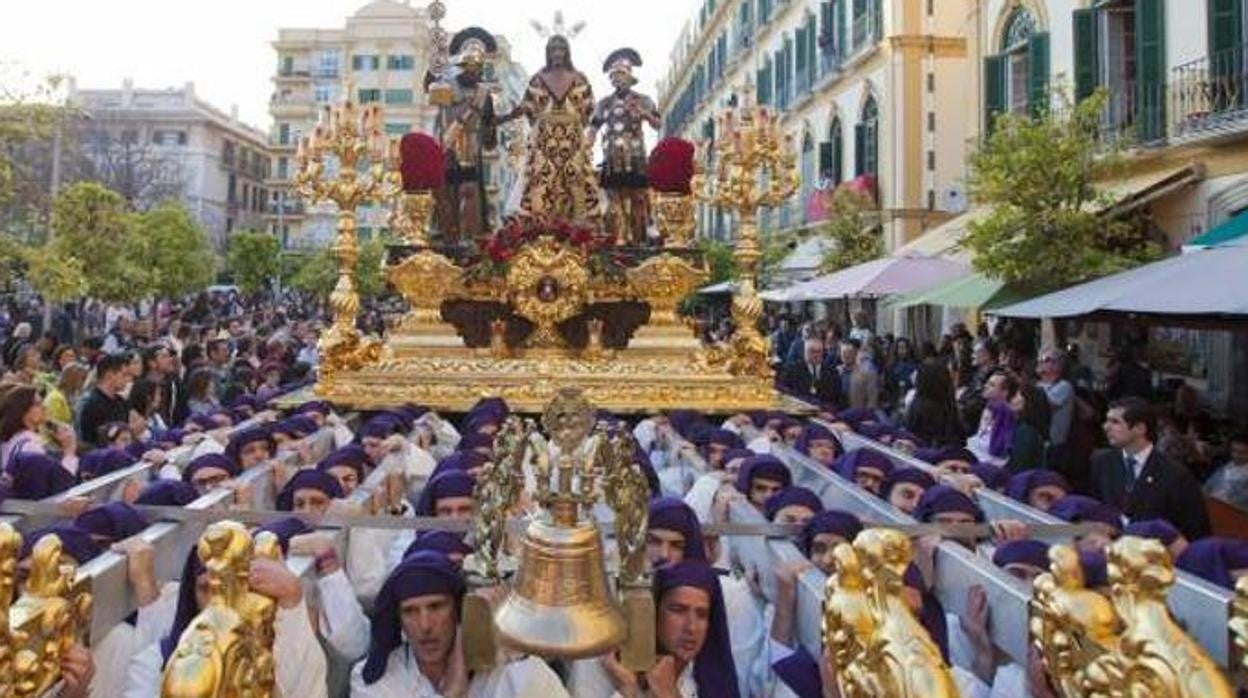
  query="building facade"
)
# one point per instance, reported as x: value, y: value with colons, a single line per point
x: 873, y: 93
x: 156, y: 144
x: 382, y: 54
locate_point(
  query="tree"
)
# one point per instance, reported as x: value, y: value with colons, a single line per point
x: 119, y: 159
x: 253, y: 259
x: 56, y: 277
x: 169, y: 246
x: 1038, y: 174
x: 853, y: 228
x: 317, y: 273
x: 90, y: 224
x: 719, y: 260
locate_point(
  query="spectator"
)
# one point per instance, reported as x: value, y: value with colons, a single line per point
x: 23, y: 423
x: 932, y: 414
x: 63, y: 397
x: 811, y: 378
x: 105, y: 403
x: 1230, y: 482
x: 1061, y: 396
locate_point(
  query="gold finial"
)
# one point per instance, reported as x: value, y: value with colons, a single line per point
x: 10, y: 549
x: 875, y: 642
x: 1126, y: 645
x: 47, y: 619
x: 227, y: 649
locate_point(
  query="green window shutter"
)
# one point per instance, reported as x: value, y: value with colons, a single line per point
x: 825, y: 159
x: 1038, y: 69
x: 1226, y: 53
x: 839, y: 10
x: 994, y: 90
x: 1150, y: 69
x: 860, y: 147
x: 812, y: 44
x: 801, y: 50
x: 1085, y: 54
x: 877, y: 14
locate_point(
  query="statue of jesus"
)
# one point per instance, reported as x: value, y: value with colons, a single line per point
x: 559, y: 179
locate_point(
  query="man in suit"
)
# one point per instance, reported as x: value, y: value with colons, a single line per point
x: 811, y: 378
x: 1140, y: 480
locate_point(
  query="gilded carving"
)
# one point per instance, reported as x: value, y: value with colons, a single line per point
x: 46, y: 620
x: 411, y: 218
x: 663, y: 281
x: 877, y: 645
x: 547, y: 283
x: 10, y: 549
x: 425, y: 280
x: 674, y: 218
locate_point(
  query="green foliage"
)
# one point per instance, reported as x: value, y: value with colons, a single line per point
x: 90, y: 223
x: 776, y: 246
x: 853, y: 227
x: 1046, y: 229
x: 168, y: 245
x: 719, y: 260
x: 253, y: 259
x: 56, y: 277
x: 317, y: 273
x: 25, y: 116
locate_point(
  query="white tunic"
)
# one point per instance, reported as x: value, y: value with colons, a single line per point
x: 300, y: 662
x: 343, y: 623
x: 526, y: 678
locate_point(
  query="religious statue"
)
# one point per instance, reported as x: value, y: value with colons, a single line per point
x: 467, y: 128
x: 559, y: 179
x: 624, y: 114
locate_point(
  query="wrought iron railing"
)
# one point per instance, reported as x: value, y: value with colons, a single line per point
x: 1209, y: 93
x: 1136, y: 112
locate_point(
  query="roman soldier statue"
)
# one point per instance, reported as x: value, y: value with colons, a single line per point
x: 467, y: 128
x: 623, y: 114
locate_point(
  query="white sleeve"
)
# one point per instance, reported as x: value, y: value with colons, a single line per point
x: 155, y: 619
x: 344, y: 626
x: 143, y: 673
x: 1009, y: 681
x: 302, y: 670
x: 969, y: 685
x: 527, y: 678
x: 111, y: 656
x: 370, y: 557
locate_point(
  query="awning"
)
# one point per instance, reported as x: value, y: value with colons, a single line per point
x: 1205, y: 283
x: 975, y: 291
x: 879, y: 277
x: 945, y: 239
x: 1131, y: 193
x: 1229, y: 230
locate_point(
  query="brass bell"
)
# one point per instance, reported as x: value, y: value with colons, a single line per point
x: 559, y: 605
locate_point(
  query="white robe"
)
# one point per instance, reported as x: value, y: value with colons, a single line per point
x: 300, y: 662
x: 343, y: 623
x: 526, y: 678
x: 110, y: 656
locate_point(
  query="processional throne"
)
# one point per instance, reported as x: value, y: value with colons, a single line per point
x: 544, y: 303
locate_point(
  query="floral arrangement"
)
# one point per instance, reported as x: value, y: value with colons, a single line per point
x: 421, y: 163
x: 497, y: 250
x: 671, y: 166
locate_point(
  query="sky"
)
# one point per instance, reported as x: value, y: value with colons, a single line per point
x: 223, y: 46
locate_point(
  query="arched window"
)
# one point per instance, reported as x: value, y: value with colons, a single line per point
x: 1015, y: 40
x: 832, y: 154
x: 810, y: 176
x: 867, y: 139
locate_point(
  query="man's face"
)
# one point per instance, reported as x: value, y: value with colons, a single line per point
x: 164, y: 361
x: 1239, y: 452
x: 557, y: 55
x: 956, y: 517
x: 205, y: 479
x: 374, y: 447
x: 823, y: 451
x: 869, y: 478
x: 429, y: 625
x: 995, y: 388
x: 347, y: 478
x: 791, y: 434
x: 1117, y: 432
x: 957, y: 467
x: 905, y: 496
x: 715, y: 455
x: 620, y: 80
x: 849, y: 355
x: 235, y: 328
x: 664, y: 547
x: 814, y: 353
x: 253, y: 454
x: 1043, y: 497
x: 1024, y: 572
x: 982, y: 357
x: 794, y: 514
x: 821, y: 547
x: 684, y: 619
x: 761, y: 489
x: 310, y: 501
x: 454, y: 508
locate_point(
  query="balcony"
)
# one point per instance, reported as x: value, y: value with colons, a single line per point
x: 1135, y: 113
x: 326, y: 72
x: 1208, y: 96
x: 293, y: 74
x: 291, y: 209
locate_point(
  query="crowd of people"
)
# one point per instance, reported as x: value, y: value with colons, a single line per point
x: 1011, y: 405
x: 193, y: 393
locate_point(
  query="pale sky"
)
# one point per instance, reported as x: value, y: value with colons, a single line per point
x: 223, y: 46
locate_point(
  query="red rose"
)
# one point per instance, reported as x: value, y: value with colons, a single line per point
x: 421, y: 163
x: 671, y: 166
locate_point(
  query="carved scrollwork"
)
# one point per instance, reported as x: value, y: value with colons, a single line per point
x: 425, y: 280
x: 547, y: 283
x: 663, y: 281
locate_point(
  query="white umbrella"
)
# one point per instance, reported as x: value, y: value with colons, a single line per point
x: 879, y: 277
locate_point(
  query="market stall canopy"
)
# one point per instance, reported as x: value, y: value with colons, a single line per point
x: 975, y: 292
x: 1234, y: 228
x: 879, y: 277
x: 1205, y: 283
x: 722, y: 288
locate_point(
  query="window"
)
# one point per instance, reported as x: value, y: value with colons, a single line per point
x: 400, y: 62
x: 1120, y: 45
x: 931, y: 121
x: 362, y: 62
x: 325, y: 93
x: 397, y: 129
x: 287, y: 65
x: 168, y: 138
x: 227, y: 153
x: 367, y: 96
x: 283, y: 134
x: 867, y: 140
x: 832, y: 154
x: 130, y: 136
x: 931, y: 160
x: 283, y: 166
x: 398, y: 97
x: 1016, y: 80
x: 1014, y: 43
x: 931, y: 82
x: 327, y: 63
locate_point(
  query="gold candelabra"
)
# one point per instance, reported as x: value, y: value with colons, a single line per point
x: 755, y: 165
x: 352, y: 135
